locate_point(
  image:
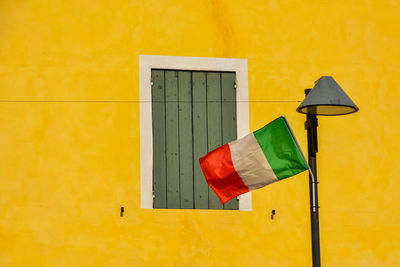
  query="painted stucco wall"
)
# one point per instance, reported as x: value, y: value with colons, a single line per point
x: 66, y: 168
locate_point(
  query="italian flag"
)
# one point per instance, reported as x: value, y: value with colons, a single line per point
x: 260, y: 158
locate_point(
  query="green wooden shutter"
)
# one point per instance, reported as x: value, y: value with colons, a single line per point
x: 193, y: 112
x: 159, y: 152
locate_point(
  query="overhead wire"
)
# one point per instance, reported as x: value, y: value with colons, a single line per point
x: 141, y: 101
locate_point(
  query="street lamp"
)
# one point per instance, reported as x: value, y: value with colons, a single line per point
x: 327, y: 98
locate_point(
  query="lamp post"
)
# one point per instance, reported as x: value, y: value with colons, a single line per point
x: 327, y: 98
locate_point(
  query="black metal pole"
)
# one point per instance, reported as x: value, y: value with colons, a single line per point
x: 311, y: 125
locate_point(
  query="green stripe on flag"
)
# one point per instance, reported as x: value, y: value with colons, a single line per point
x: 280, y: 149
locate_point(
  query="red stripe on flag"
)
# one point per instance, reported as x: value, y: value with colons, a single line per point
x: 221, y: 175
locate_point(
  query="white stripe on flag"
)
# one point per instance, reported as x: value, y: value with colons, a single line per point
x: 250, y: 162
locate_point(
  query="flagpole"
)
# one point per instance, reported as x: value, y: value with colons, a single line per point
x: 311, y: 127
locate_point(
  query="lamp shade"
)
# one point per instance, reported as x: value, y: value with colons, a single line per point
x: 327, y: 98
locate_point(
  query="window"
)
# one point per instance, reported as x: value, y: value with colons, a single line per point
x: 193, y: 112
x: 188, y: 106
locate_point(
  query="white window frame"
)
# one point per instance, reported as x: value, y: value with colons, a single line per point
x: 149, y: 62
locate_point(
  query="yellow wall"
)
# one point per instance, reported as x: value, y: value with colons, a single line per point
x: 66, y: 168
